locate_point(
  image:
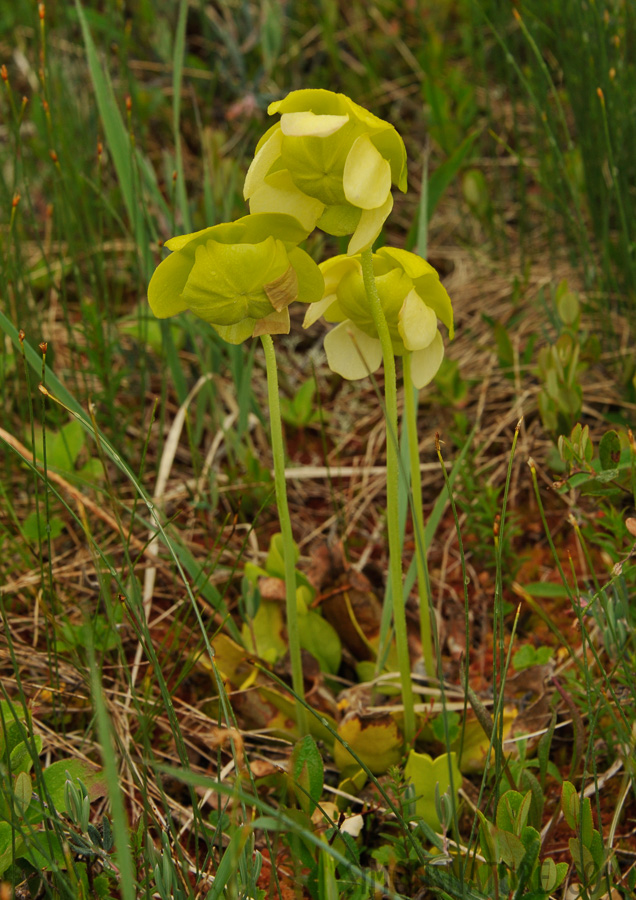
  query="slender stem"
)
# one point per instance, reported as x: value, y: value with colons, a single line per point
x: 278, y: 452
x: 418, y: 519
x: 392, y: 483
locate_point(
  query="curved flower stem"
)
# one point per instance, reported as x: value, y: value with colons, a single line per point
x: 392, y: 482
x: 418, y: 519
x: 278, y: 452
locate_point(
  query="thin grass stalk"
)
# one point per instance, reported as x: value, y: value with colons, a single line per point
x: 392, y: 494
x: 421, y: 550
x: 278, y: 452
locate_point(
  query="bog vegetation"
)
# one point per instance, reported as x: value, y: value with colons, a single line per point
x: 330, y: 598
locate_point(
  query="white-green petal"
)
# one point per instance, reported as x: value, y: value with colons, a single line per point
x: 367, y: 175
x: 261, y: 164
x: 279, y: 194
x: 425, y: 363
x: 308, y: 124
x: 369, y: 227
x: 352, y: 353
x: 318, y: 309
x: 417, y: 322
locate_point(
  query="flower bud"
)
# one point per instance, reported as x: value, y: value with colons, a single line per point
x: 412, y: 298
x: 330, y: 163
x: 239, y: 276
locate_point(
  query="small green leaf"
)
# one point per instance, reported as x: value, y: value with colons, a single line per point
x: 307, y: 771
x: 570, y: 804
x: 22, y: 792
x: 510, y: 849
x: 609, y: 450
x: 548, y: 875
x: 528, y: 656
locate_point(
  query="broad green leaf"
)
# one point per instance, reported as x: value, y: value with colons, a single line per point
x: 12, y: 726
x: 10, y: 841
x: 56, y: 774
x: 376, y: 740
x: 426, y: 773
x: 321, y: 640
x: 265, y: 634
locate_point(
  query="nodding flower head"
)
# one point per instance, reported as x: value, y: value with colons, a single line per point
x: 413, y: 299
x: 239, y: 276
x: 330, y: 163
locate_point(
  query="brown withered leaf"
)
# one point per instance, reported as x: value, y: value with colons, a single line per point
x: 347, y: 600
x: 283, y: 290
x: 271, y: 588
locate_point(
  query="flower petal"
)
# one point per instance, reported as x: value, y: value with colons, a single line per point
x: 350, y: 352
x: 369, y: 227
x: 166, y: 285
x: 279, y: 194
x: 425, y: 363
x: 417, y: 322
x: 367, y: 175
x: 306, y: 124
x: 316, y: 310
x: 262, y: 163
x: 236, y: 334
x: 311, y: 284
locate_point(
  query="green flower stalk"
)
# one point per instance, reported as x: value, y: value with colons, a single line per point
x: 384, y: 305
x: 330, y: 163
x: 241, y: 278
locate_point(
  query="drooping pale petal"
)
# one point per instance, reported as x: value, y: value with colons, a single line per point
x: 369, y: 227
x: 435, y: 295
x: 413, y: 265
x: 262, y: 163
x: 352, y: 353
x: 367, y: 175
x: 426, y: 280
x: 305, y: 124
x: 279, y: 194
x: 425, y: 363
x: 166, y: 285
x: 316, y: 310
x: 311, y: 284
x: 274, y: 323
x: 417, y: 322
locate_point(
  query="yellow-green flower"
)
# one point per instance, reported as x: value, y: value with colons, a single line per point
x: 239, y: 276
x: 413, y: 299
x: 329, y: 163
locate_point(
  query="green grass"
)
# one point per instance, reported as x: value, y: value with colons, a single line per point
x: 124, y: 606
